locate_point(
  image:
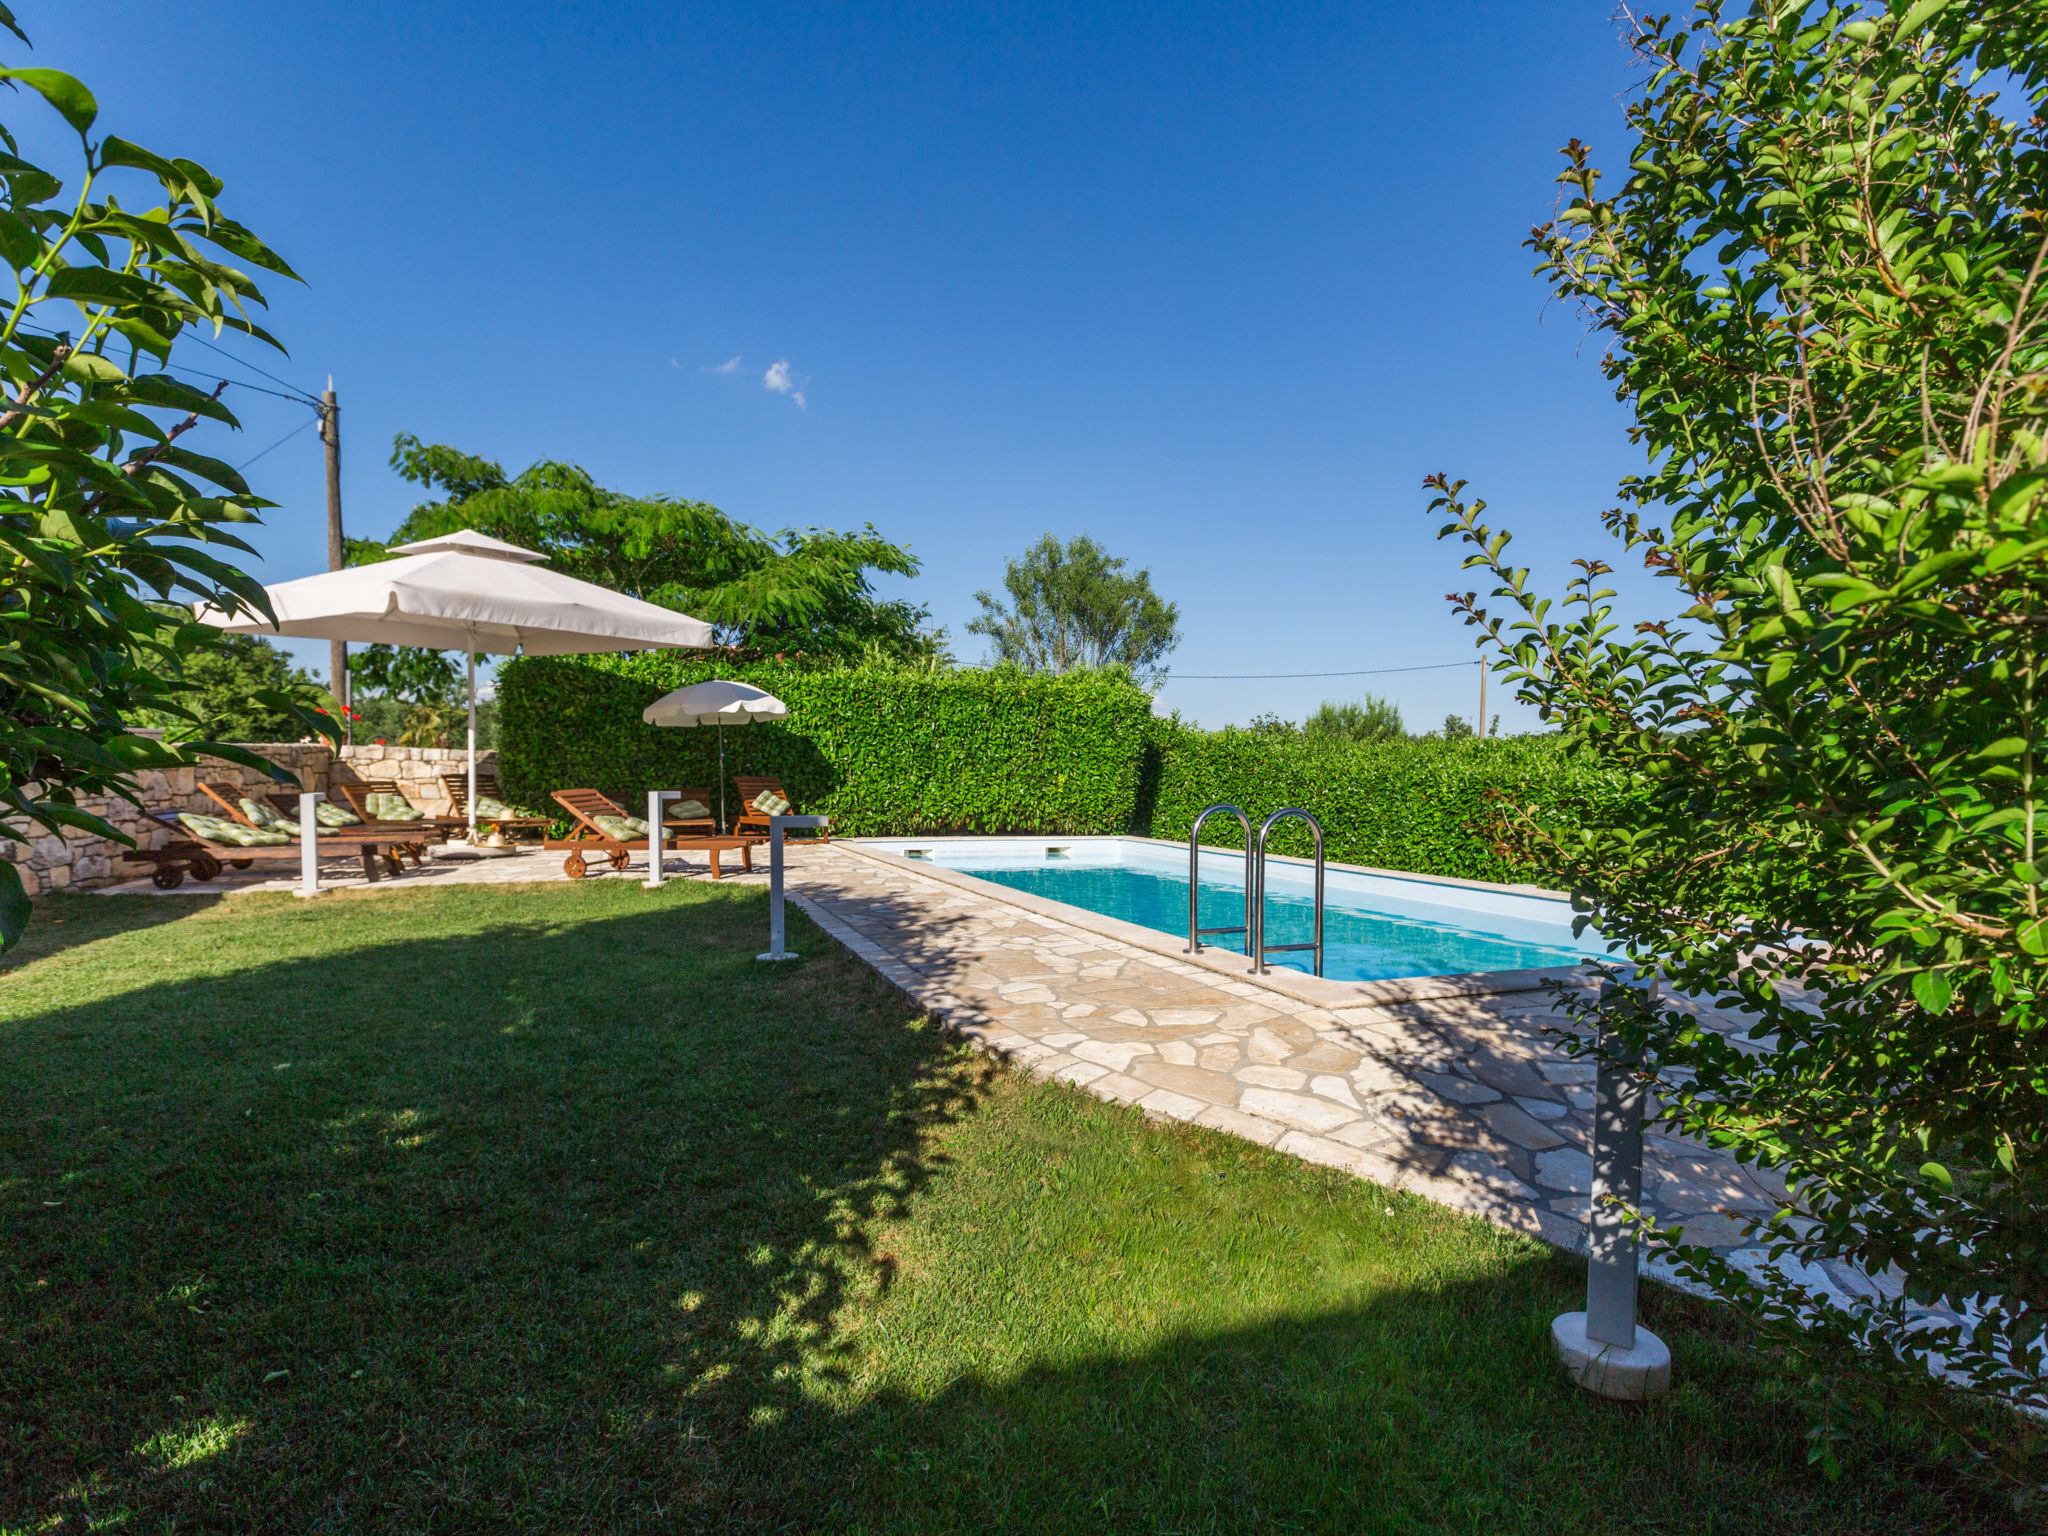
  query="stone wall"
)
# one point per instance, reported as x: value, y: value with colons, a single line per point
x: 77, y: 860
x: 418, y: 770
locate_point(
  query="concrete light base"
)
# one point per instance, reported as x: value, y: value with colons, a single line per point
x: 1630, y: 1375
x: 785, y: 954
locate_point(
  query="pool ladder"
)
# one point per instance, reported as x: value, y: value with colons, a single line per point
x: 1254, y: 925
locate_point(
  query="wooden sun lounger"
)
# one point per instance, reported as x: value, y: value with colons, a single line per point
x: 357, y: 792
x: 587, y: 837
x: 202, y: 858
x: 404, y: 837
x: 487, y: 789
x: 750, y: 789
x: 702, y: 826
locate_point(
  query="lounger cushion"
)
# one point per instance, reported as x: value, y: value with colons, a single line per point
x: 266, y: 817
x: 689, y: 810
x: 625, y: 828
x: 328, y: 814
x: 489, y: 808
x: 389, y: 807
x: 216, y: 829
x: 769, y: 803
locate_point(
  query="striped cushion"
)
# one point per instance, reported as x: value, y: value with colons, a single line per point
x: 769, y: 803
x: 216, y: 830
x: 266, y: 817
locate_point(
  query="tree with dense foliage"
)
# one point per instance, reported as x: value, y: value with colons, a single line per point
x: 427, y: 687
x: 232, y: 689
x: 1822, y: 288
x: 1072, y: 605
x: 1371, y: 718
x: 108, y: 524
x: 807, y: 591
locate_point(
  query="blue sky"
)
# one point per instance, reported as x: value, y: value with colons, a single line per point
x: 1217, y: 284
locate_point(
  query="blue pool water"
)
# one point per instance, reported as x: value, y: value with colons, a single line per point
x: 1358, y: 945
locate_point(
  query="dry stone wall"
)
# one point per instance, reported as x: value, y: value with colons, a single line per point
x: 77, y: 861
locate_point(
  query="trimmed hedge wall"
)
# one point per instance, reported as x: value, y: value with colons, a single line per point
x: 881, y: 752
x: 904, y: 753
x: 1407, y: 805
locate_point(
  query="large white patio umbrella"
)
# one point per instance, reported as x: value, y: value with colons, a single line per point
x: 471, y: 592
x: 720, y: 702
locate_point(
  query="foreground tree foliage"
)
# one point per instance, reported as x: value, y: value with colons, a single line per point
x: 1823, y: 287
x: 801, y: 590
x: 107, y: 522
x: 231, y: 688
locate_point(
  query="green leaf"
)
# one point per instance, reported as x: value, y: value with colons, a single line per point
x: 71, y: 99
x: 1938, y: 1174
x: 92, y: 368
x: 1931, y: 991
x: 1920, y: 15
x: 15, y: 907
x: 19, y: 244
x: 2033, y: 937
x: 98, y: 285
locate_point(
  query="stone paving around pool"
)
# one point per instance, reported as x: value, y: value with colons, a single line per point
x: 1463, y: 1100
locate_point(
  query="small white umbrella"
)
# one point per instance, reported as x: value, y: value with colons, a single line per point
x: 472, y: 592
x: 720, y: 702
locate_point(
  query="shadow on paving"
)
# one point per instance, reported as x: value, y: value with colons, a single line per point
x: 563, y: 1226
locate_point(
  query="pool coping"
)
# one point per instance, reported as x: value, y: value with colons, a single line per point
x: 1318, y: 991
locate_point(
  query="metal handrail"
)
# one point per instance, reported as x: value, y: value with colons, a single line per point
x: 1256, y: 945
x: 1195, y: 879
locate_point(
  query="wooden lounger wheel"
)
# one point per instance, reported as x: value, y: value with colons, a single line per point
x: 620, y: 858
x: 205, y: 867
x: 574, y: 867
x: 167, y: 877
x: 241, y: 863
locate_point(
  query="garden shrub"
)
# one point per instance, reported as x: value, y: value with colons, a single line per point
x: 880, y: 750
x: 1419, y: 806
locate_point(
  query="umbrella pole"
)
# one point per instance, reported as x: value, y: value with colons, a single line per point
x: 721, y: 778
x: 472, y: 748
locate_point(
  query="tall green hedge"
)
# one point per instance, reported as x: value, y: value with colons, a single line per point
x: 891, y: 752
x: 880, y: 751
x: 1419, y: 806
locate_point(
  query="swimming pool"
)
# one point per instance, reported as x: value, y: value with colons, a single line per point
x: 1375, y: 926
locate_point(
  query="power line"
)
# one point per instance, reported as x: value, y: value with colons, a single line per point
x: 1223, y: 677
x: 303, y: 394
x: 295, y: 431
x: 206, y: 373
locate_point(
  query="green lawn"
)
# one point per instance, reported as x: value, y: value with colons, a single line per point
x: 550, y: 1210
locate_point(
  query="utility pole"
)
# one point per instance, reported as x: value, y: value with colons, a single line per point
x: 330, y: 434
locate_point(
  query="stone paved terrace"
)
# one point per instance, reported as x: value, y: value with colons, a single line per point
x: 1459, y: 1098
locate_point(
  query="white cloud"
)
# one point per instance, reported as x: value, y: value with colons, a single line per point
x: 730, y: 365
x: 673, y: 363
x: 779, y: 379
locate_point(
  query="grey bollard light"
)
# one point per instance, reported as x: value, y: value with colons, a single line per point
x: 775, y: 826
x: 657, y: 840
x: 309, y: 842
x: 1604, y: 1348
